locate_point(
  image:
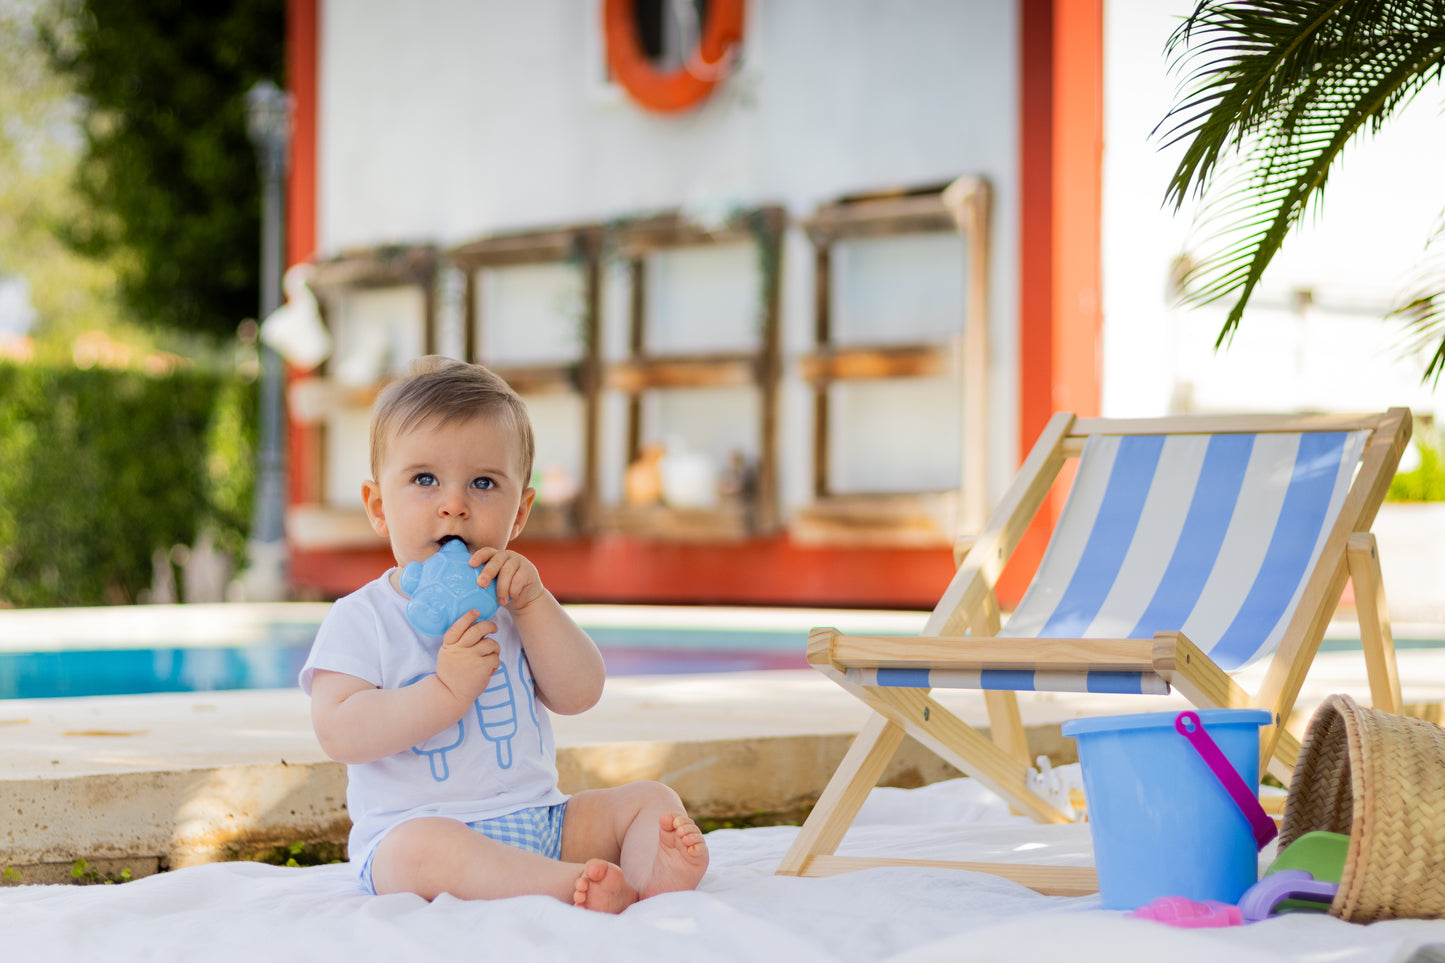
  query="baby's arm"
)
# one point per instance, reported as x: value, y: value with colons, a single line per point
x: 565, y: 662
x: 356, y: 722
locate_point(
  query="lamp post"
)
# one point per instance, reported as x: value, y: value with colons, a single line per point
x: 268, y: 122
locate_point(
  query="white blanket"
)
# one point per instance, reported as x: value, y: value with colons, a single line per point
x: 250, y: 912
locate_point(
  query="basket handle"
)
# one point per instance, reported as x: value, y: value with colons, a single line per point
x: 1189, y: 725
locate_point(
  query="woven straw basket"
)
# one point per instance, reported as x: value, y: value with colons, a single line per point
x: 1380, y: 778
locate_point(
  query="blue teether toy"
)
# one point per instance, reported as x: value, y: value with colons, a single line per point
x: 443, y: 588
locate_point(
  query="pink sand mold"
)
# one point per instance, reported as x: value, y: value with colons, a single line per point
x: 1185, y: 913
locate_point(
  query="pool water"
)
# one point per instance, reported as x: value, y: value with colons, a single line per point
x: 134, y: 650
x: 275, y: 661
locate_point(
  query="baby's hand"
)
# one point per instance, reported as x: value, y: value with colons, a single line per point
x: 468, y: 657
x: 518, y: 583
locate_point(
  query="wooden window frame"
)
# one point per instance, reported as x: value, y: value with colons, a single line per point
x: 581, y: 244
x: 963, y: 207
x: 642, y: 371
x: 321, y: 524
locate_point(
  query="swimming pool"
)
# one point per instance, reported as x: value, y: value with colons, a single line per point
x: 131, y: 650
x: 63, y: 653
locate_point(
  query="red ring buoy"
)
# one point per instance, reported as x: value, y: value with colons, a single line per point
x: 684, y: 87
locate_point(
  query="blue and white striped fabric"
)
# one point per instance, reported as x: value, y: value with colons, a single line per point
x: 1212, y: 535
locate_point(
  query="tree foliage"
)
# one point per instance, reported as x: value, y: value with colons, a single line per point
x: 1278, y: 89
x: 167, y: 171
x: 39, y: 147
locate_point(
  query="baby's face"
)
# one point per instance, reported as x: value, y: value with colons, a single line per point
x: 459, y: 480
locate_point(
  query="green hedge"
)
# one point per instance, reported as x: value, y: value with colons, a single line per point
x: 1426, y: 482
x: 98, y: 468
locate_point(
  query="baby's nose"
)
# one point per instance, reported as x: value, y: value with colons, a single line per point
x: 454, y: 506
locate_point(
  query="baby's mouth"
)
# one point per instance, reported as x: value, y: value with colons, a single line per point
x: 451, y: 538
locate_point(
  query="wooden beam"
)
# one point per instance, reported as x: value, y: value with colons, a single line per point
x: 854, y: 778
x: 1280, y: 761
x: 1285, y: 675
x: 970, y: 200
x: 919, y: 214
x: 380, y: 267
x: 1186, y: 668
x: 541, y: 379
x: 768, y: 238
x: 640, y: 237
x: 968, y: 653
x: 1223, y: 424
x: 701, y: 371
x: 1181, y: 663
x: 1376, y: 639
x: 1048, y: 880
x: 896, y: 361
x: 960, y: 744
x: 530, y: 247
x: 940, y: 730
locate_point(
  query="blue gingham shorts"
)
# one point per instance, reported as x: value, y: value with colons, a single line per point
x: 537, y: 830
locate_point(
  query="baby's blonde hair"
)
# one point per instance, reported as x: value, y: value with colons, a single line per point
x: 442, y: 390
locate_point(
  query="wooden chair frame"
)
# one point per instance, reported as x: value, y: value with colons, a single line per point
x: 970, y: 605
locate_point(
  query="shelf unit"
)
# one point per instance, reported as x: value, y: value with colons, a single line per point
x: 316, y: 522
x: 580, y: 245
x: 388, y: 266
x: 643, y: 370
x: 907, y: 518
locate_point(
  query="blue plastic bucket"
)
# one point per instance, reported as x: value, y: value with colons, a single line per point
x: 1161, y: 822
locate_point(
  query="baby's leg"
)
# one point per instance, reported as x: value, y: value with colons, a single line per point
x: 433, y: 856
x: 642, y: 827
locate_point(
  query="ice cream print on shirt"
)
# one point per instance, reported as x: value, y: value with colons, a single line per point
x: 435, y: 749
x: 496, y: 716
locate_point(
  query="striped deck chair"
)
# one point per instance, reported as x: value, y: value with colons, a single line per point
x: 1187, y: 548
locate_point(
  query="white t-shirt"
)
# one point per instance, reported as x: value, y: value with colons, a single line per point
x: 500, y: 758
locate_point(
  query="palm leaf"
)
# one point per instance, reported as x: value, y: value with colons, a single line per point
x: 1423, y: 307
x: 1276, y: 90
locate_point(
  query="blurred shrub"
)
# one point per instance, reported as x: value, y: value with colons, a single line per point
x: 98, y: 468
x: 1426, y: 481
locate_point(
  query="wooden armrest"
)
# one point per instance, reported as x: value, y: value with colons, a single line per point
x: 828, y: 646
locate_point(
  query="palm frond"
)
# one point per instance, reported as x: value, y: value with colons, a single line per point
x: 1423, y: 307
x: 1276, y: 90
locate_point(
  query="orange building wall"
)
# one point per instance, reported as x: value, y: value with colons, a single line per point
x: 1061, y: 130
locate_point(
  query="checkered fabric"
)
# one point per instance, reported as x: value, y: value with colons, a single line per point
x: 535, y: 830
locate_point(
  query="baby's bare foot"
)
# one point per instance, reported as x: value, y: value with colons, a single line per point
x: 601, y: 887
x: 681, y: 856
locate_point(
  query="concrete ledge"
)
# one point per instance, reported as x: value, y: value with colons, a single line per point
x: 149, y: 821
x: 174, y: 817
x: 124, y: 782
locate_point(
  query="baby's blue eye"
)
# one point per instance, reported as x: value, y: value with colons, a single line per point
x: 483, y: 483
x: 425, y: 478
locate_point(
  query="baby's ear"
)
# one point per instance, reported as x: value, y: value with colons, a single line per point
x: 523, y: 511
x: 375, y: 511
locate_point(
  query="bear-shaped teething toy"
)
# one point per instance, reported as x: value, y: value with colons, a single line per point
x: 444, y: 587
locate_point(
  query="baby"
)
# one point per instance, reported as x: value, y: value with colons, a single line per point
x: 447, y: 740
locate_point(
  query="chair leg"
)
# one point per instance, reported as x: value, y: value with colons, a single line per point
x: 1376, y: 639
x: 855, y: 777
x: 1205, y: 685
x: 1006, y: 725
x: 956, y: 742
